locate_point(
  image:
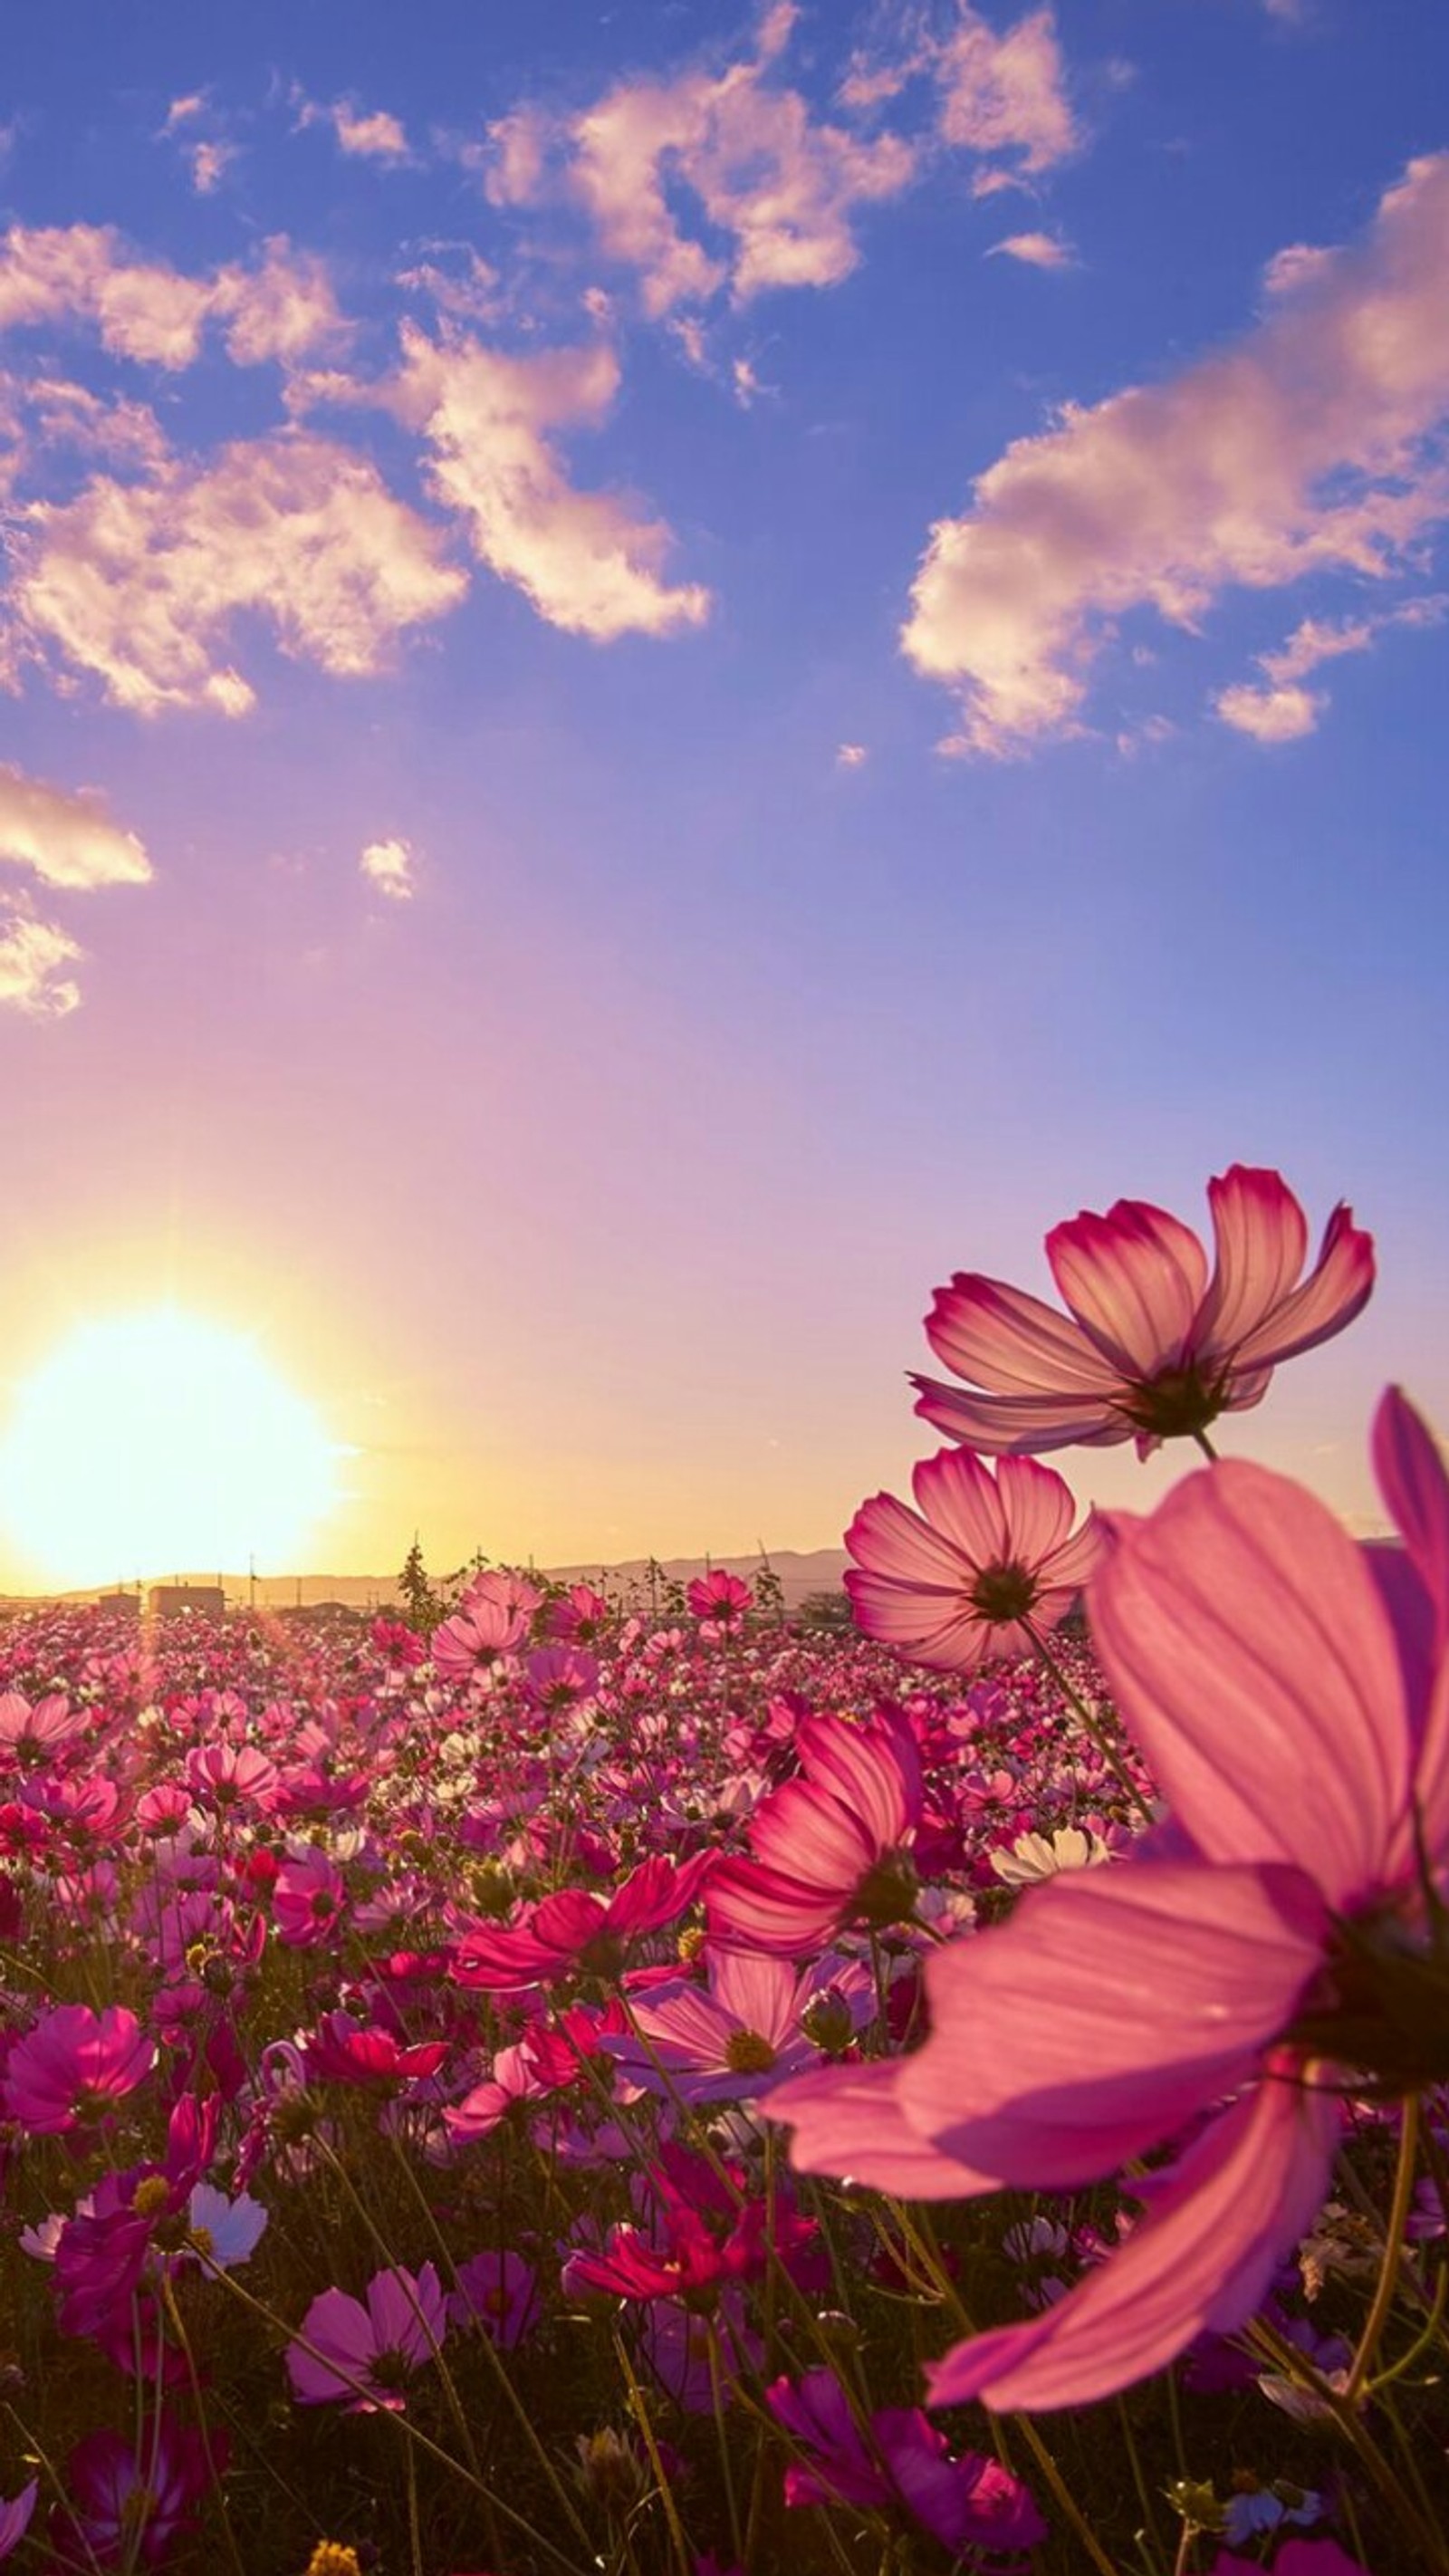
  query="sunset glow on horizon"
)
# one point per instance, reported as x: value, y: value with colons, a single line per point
x: 664, y: 674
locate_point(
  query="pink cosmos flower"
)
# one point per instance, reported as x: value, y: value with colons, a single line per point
x: 575, y: 1933
x: 738, y: 2036
x: 967, y: 2503
x: 493, y: 1617
x: 75, y: 2066
x: 368, y: 2354
x: 720, y: 1598
x: 831, y: 1847
x: 343, y: 2050
x: 1301, y: 1734
x: 1154, y: 1349
x: 307, y: 1899
x: 952, y: 1584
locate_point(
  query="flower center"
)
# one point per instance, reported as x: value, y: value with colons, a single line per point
x: 887, y: 1893
x: 748, y: 2052
x: 1381, y: 2006
x: 1177, y: 1402
x: 1002, y: 1592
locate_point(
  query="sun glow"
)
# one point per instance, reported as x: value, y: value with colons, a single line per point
x: 155, y: 1443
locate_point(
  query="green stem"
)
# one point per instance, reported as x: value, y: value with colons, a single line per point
x: 1088, y: 1722
x: 1378, y: 2314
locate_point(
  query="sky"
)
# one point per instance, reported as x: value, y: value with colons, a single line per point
x: 666, y: 671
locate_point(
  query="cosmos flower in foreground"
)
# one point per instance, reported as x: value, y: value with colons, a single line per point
x: 368, y: 2354
x: 75, y: 2066
x: 1153, y: 1349
x: 952, y: 1583
x: 831, y: 1848
x: 1296, y: 1714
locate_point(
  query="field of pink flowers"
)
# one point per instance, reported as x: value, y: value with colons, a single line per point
x: 534, y: 2088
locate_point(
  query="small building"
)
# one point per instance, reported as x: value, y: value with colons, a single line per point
x: 124, y: 1605
x: 174, y: 1600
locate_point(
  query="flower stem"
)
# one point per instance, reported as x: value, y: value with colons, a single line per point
x: 1363, y: 2360
x: 1087, y: 1721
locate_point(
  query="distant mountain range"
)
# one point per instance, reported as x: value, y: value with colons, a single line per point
x: 800, y: 1572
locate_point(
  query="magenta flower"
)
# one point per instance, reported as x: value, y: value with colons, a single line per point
x: 1301, y: 1735
x: 967, y: 2503
x: 307, y: 1899
x: 368, y: 2354
x: 129, y: 2509
x: 721, y: 1599
x: 952, y: 1584
x: 575, y: 1933
x: 830, y: 1848
x: 1154, y: 1350
x: 494, y: 1615
x: 75, y: 2066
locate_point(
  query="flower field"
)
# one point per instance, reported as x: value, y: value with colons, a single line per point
x: 533, y: 2086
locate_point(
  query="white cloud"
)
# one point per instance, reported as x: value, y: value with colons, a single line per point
x: 33, y: 958
x: 1305, y: 446
x: 1280, y: 714
x: 209, y: 164
x: 1285, y: 710
x: 782, y: 186
x: 81, y: 274
x: 66, y: 839
x: 375, y: 137
x: 1034, y: 250
x: 139, y: 583
x: 584, y: 559
x: 389, y: 866
x: 1001, y: 95
x: 851, y: 755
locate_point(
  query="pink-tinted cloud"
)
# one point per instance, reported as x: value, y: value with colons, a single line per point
x: 82, y: 275
x: 378, y: 136
x: 139, y: 583
x: 1034, y: 250
x: 781, y: 185
x: 1006, y: 94
x: 1285, y: 710
x: 1000, y: 94
x: 584, y: 559
x: 66, y: 839
x: 1305, y: 446
x: 34, y: 955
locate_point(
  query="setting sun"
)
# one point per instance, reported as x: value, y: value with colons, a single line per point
x: 156, y: 1442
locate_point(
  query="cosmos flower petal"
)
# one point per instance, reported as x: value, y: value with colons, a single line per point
x: 999, y: 1425
x: 1262, y: 1240
x: 1134, y: 1279
x: 1000, y: 1337
x: 1112, y: 2007
x: 1203, y: 2256
x: 848, y: 2120
x: 1336, y: 1290
x: 1247, y: 1649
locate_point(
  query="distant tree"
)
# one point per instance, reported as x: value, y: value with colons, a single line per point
x: 828, y: 1610
x: 423, y: 1606
x: 769, y: 1592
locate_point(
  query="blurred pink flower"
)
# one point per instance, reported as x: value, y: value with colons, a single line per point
x: 952, y: 1584
x: 494, y: 1615
x: 75, y: 2066
x: 1302, y: 1740
x: 368, y: 2354
x: 967, y: 2503
x: 1153, y: 1349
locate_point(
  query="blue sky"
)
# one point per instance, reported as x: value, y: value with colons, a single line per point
x: 532, y: 880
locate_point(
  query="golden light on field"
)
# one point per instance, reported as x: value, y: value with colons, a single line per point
x: 158, y: 1442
